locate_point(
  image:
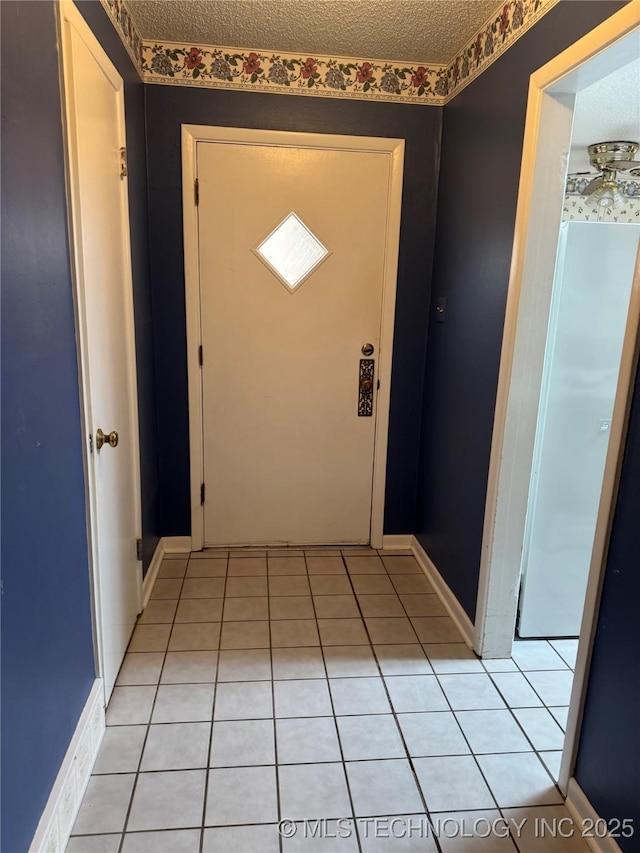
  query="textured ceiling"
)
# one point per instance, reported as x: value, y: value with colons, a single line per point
x: 606, y: 111
x: 425, y: 31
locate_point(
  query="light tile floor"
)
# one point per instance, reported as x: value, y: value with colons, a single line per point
x: 322, y: 685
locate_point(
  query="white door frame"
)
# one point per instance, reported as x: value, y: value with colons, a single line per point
x: 394, y: 148
x: 69, y: 16
x: 550, y: 109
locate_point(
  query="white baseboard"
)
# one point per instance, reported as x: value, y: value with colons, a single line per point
x: 450, y: 602
x: 166, y: 546
x: 176, y: 544
x: 152, y: 572
x: 397, y: 542
x: 581, y: 810
x: 61, y: 809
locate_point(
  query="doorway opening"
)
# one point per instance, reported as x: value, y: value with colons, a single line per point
x: 563, y: 341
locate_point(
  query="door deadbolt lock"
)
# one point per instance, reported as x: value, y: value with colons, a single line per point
x: 103, y: 438
x: 367, y: 349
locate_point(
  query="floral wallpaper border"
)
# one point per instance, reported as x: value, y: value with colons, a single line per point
x: 121, y: 18
x: 172, y: 63
x: 511, y: 20
x: 328, y: 76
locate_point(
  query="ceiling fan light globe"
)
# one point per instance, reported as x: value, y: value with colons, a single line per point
x: 593, y: 200
x: 618, y: 198
x: 607, y: 195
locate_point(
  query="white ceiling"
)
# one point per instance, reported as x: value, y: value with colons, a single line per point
x: 425, y: 31
x: 606, y: 111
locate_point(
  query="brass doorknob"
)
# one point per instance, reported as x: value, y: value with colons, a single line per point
x: 366, y: 384
x: 111, y: 439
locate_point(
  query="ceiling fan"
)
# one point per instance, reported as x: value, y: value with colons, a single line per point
x: 609, y: 158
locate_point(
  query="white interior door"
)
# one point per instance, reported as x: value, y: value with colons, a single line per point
x: 287, y: 456
x: 99, y: 202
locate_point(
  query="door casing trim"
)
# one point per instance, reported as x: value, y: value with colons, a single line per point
x: 394, y: 148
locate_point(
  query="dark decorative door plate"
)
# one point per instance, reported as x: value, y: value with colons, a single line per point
x: 365, y: 387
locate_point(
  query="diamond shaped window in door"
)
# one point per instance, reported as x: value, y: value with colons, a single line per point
x: 292, y: 252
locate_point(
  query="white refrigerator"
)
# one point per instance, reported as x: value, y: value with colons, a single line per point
x: 590, y: 300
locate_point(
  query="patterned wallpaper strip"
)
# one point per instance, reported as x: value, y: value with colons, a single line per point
x: 326, y: 76
x: 123, y: 22
x: 575, y: 210
x: 511, y: 20
x: 576, y: 185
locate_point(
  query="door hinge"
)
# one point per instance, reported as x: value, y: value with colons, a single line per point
x: 138, y: 549
x: 196, y: 191
x: 123, y: 163
x: 200, y: 358
x: 202, y: 494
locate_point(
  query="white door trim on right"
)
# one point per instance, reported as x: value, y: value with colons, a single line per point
x: 191, y: 135
x: 550, y: 107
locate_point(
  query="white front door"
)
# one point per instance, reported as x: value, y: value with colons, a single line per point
x: 292, y: 249
x: 99, y: 206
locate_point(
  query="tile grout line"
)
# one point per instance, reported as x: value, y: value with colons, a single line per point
x: 475, y: 756
x: 544, y: 706
x: 273, y: 712
x: 333, y: 710
x: 502, y: 696
x: 409, y: 759
x: 207, y: 772
x: 146, y: 736
x: 522, y: 728
x: 453, y: 712
x: 472, y: 754
x: 348, y: 760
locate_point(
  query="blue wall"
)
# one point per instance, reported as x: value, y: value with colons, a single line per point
x: 608, y: 765
x: 47, y: 649
x: 167, y: 108
x: 484, y: 125
x: 134, y: 96
x: 482, y: 135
